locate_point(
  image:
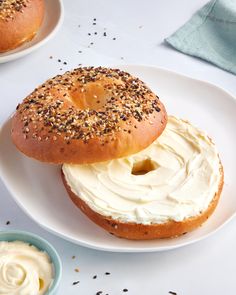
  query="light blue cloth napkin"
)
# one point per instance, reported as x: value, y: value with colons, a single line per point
x: 210, y: 34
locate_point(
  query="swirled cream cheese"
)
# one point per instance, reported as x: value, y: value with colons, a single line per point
x: 24, y: 269
x: 175, y: 178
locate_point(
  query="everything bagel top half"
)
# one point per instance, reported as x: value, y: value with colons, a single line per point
x: 88, y: 115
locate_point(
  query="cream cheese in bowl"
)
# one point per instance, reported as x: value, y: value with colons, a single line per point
x: 24, y: 269
x: 29, y: 265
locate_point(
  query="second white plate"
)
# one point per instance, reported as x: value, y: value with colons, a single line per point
x: 38, y: 188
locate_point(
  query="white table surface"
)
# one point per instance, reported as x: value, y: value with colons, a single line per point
x: 207, y: 267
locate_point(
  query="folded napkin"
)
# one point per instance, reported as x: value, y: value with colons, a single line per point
x: 210, y: 34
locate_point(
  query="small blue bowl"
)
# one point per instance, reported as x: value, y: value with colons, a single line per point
x: 42, y: 245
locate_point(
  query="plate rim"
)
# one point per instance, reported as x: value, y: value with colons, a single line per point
x: 18, y: 54
x: 123, y: 249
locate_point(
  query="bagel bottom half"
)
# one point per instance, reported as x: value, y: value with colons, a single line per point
x: 138, y: 231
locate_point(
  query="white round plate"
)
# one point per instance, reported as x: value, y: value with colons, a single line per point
x: 53, y: 19
x: 38, y: 189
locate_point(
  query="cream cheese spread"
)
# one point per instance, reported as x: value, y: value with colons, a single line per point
x: 175, y: 178
x: 24, y: 269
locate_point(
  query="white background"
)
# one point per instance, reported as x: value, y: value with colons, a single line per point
x: 207, y: 267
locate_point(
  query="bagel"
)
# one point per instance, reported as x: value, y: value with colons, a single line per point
x: 20, y: 20
x: 88, y: 115
x: 164, y: 191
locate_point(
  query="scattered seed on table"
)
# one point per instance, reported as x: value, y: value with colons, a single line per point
x: 76, y: 270
x: 94, y: 24
x: 59, y: 60
x: 125, y: 290
x: 80, y: 51
x: 50, y: 57
x: 65, y: 63
x: 173, y: 293
x: 114, y: 39
x: 107, y: 273
x: 89, y: 34
x: 75, y: 283
x: 8, y: 222
x: 73, y: 257
x: 95, y: 33
x: 99, y: 293
x: 104, y: 34
x: 94, y: 277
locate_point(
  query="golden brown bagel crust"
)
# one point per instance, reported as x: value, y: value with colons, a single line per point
x: 19, y: 22
x: 135, y: 231
x: 88, y: 115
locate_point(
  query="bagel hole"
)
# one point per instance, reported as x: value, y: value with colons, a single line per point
x: 86, y: 101
x: 91, y: 96
x: 143, y: 167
